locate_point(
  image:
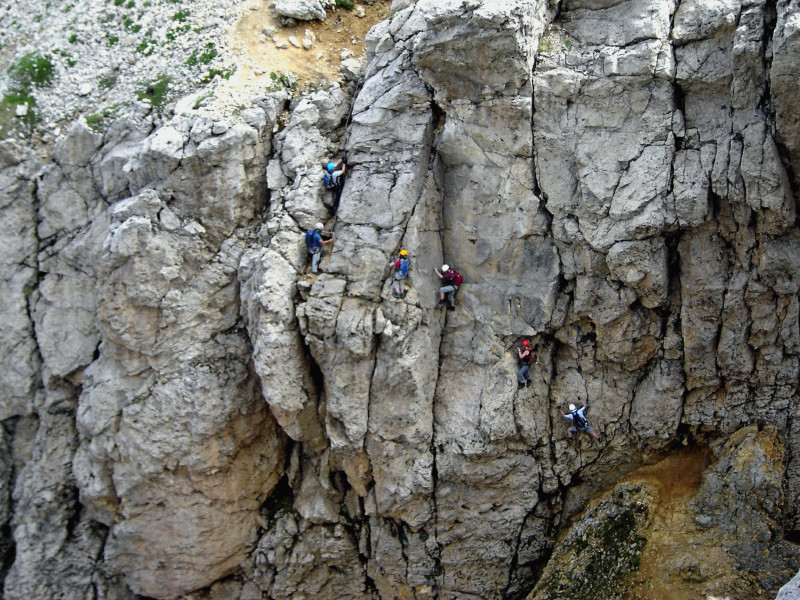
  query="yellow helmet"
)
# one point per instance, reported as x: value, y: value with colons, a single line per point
x: 403, y: 252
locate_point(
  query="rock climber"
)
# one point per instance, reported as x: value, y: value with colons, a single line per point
x: 314, y: 240
x: 333, y: 179
x: 527, y: 357
x: 451, y: 280
x: 579, y: 422
x: 401, y: 265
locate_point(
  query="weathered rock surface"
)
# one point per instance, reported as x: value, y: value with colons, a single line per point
x: 666, y: 529
x: 187, y: 406
x: 304, y: 10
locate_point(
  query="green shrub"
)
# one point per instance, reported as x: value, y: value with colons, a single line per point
x: 205, y: 57
x: 156, y: 92
x: 208, y: 54
x: 146, y: 46
x: 180, y: 16
x: 199, y: 102
x: 171, y: 35
x: 8, y: 107
x: 214, y: 72
x: 33, y: 69
x: 107, y: 82
x: 73, y: 38
x: 30, y: 71
x: 93, y: 121
x: 345, y: 4
x: 99, y: 121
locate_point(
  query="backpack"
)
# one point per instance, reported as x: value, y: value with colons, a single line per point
x: 457, y: 278
x: 579, y: 421
x: 310, y: 242
x: 404, y: 262
x: 328, y: 182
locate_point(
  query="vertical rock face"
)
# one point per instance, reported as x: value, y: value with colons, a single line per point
x: 155, y: 449
x: 617, y: 183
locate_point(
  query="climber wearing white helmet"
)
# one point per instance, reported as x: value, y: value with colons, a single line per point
x: 314, y: 241
x: 451, y: 280
x: 577, y: 416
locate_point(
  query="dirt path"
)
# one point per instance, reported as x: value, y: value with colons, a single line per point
x: 259, y: 56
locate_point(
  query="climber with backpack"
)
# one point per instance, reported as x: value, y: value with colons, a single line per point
x: 579, y: 422
x: 527, y: 357
x: 314, y: 240
x: 333, y: 179
x: 451, y: 280
x: 401, y: 265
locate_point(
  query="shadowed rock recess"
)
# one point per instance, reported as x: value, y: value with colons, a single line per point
x: 188, y: 413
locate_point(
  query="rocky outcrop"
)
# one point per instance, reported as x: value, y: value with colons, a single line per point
x: 615, y: 180
x: 135, y: 316
x: 666, y: 528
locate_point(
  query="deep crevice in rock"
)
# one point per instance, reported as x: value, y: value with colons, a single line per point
x: 281, y: 499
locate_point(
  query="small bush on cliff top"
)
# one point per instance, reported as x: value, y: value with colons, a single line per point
x: 156, y: 92
x: 33, y: 69
x: 30, y: 71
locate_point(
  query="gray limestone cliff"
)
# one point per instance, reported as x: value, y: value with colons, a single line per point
x: 185, y: 406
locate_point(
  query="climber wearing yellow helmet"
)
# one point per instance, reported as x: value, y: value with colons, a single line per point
x: 401, y: 265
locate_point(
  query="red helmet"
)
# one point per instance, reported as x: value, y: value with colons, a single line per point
x: 526, y: 343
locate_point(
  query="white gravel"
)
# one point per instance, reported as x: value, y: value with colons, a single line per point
x: 106, y: 52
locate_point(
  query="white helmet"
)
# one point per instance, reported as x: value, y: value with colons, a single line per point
x: 445, y: 267
x: 318, y: 226
x: 571, y: 408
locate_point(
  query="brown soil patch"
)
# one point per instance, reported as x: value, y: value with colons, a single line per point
x: 673, y: 540
x: 677, y: 476
x: 342, y: 30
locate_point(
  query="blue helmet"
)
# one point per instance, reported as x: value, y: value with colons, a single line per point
x: 331, y: 166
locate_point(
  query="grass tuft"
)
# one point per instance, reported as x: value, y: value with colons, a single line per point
x: 156, y: 92
x: 33, y: 69
x: 107, y: 82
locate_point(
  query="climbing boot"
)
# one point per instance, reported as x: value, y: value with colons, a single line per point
x: 451, y: 307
